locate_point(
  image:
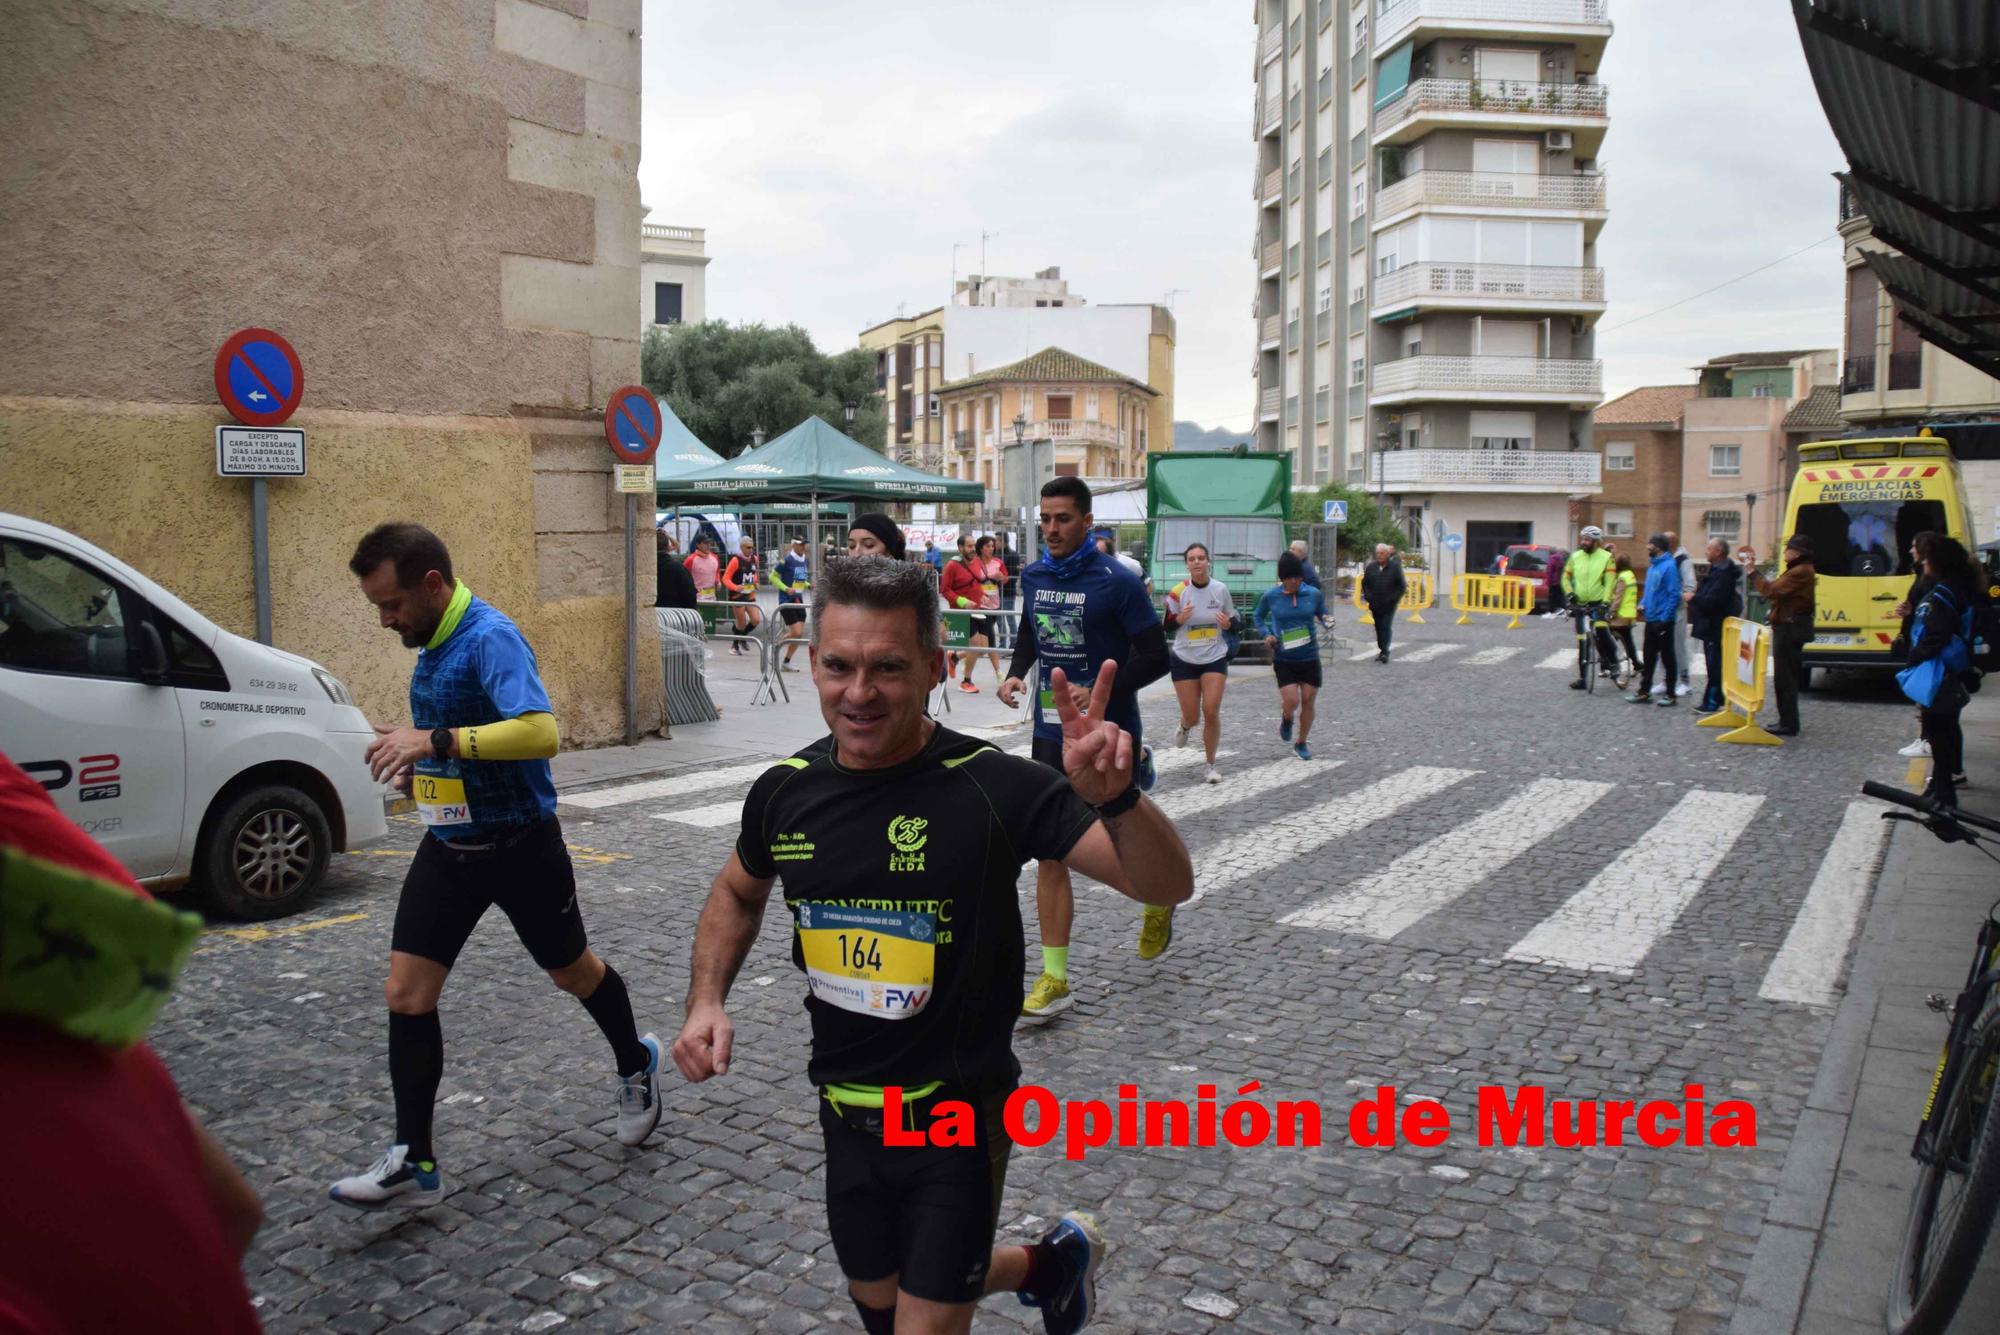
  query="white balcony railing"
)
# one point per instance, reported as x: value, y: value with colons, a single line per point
x: 1270, y: 329
x: 1274, y: 254
x: 1270, y: 185
x: 1499, y: 283
x: 666, y: 232
x: 1076, y: 432
x: 1447, y: 469
x: 1272, y: 114
x: 1574, y: 192
x: 1396, y: 15
x: 1494, y: 97
x: 1578, y: 378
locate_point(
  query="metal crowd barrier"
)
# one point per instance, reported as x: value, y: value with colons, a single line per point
x: 1419, y: 593
x: 958, y: 639
x: 1492, y: 595
x: 717, y: 614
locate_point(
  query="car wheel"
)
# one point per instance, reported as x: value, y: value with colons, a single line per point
x: 267, y: 849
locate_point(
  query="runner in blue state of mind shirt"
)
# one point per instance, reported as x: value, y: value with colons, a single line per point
x: 1080, y: 609
x: 1289, y: 617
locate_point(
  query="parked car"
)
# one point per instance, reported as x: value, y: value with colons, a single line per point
x: 1543, y: 567
x: 193, y: 755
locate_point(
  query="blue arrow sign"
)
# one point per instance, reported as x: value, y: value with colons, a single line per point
x: 1453, y: 541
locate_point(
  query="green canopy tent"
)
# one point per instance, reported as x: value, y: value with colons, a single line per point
x: 680, y: 452
x: 814, y: 462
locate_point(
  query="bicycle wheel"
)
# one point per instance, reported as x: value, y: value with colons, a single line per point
x: 1955, y: 1197
x: 1589, y: 666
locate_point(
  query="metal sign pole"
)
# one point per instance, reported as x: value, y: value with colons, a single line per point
x: 631, y: 622
x: 260, y: 554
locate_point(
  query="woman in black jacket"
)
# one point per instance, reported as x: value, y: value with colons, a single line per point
x: 1920, y: 584
x: 1937, y: 623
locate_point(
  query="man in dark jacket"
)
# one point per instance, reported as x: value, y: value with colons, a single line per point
x: 1791, y: 596
x: 1715, y: 600
x: 1382, y: 588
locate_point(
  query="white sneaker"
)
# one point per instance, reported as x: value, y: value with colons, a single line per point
x: 1211, y: 775
x: 1916, y: 750
x: 1180, y: 735
x: 639, y: 1097
x: 392, y: 1181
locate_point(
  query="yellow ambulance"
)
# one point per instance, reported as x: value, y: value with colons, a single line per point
x: 1860, y: 502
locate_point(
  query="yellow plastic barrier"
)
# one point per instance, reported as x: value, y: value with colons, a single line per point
x: 1419, y: 592
x: 1496, y: 595
x: 1746, y: 663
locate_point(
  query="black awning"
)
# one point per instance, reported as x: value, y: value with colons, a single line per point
x: 1912, y: 91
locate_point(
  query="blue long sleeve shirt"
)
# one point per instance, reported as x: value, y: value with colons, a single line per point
x: 1662, y: 599
x: 1291, y: 618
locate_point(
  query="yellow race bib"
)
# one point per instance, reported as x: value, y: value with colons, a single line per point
x: 440, y: 799
x: 876, y: 962
x: 1201, y: 632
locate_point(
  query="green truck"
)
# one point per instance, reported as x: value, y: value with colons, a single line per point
x: 1235, y: 502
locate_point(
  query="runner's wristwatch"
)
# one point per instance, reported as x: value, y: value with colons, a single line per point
x: 441, y: 743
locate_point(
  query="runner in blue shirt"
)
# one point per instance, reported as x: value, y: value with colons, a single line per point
x: 1080, y: 609
x: 1289, y: 617
x: 477, y: 763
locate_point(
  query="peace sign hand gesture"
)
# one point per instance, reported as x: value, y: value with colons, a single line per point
x: 1097, y: 754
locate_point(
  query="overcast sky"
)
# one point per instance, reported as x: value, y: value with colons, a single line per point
x: 836, y: 152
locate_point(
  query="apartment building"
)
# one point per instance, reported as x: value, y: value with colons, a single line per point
x: 1740, y: 437
x: 1428, y: 206
x: 1048, y: 289
x: 909, y: 370
x: 1098, y: 419
x: 1893, y: 379
x: 673, y: 274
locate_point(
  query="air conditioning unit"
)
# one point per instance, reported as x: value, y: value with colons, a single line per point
x: 1556, y: 141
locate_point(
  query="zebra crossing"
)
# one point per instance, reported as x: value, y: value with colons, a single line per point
x: 1611, y: 925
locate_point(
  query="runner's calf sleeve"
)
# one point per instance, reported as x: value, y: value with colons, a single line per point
x: 876, y: 1320
x: 611, y: 1006
x: 416, y: 1064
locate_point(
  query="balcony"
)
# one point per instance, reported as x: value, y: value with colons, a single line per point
x: 1586, y: 23
x: 1906, y: 370
x: 1274, y: 255
x: 1271, y: 115
x: 1075, y: 432
x: 1488, y: 470
x: 1857, y: 375
x: 1271, y: 188
x: 1270, y: 46
x: 1474, y: 104
x: 1492, y: 192
x: 1439, y: 286
x: 1268, y: 404
x: 1270, y: 331
x: 1575, y: 381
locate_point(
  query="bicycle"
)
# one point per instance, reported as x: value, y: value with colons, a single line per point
x: 1599, y: 627
x: 1957, y: 1146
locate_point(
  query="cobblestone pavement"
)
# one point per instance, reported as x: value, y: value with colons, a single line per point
x: 1485, y: 878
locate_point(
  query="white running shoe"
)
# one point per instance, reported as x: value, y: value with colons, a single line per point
x: 1181, y: 735
x: 392, y: 1181
x: 1916, y: 750
x: 1211, y: 775
x: 639, y: 1097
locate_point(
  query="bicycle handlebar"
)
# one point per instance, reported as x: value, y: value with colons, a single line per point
x: 1929, y: 806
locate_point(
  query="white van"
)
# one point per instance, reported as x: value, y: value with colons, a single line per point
x: 190, y: 753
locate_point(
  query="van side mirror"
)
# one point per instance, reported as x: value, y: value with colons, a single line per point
x: 149, y: 653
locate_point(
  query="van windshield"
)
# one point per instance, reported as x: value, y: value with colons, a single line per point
x: 1867, y: 537
x: 1532, y: 562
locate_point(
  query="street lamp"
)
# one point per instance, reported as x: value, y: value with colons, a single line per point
x: 848, y: 410
x: 756, y: 437
x: 1750, y: 519
x: 1020, y: 428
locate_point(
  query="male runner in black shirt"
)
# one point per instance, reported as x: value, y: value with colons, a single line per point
x: 900, y: 844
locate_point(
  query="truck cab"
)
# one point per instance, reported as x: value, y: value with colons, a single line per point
x: 1233, y: 502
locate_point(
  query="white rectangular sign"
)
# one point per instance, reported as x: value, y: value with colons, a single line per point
x: 923, y: 514
x: 1749, y: 644
x: 260, y: 451
x: 634, y: 478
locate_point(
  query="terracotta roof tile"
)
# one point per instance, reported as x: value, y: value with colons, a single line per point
x: 1051, y: 364
x: 1647, y: 406
x: 1817, y: 411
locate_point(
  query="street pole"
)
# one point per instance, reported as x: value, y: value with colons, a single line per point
x: 631, y: 622
x: 260, y: 555
x: 1750, y: 519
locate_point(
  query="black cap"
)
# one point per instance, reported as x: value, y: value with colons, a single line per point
x: 884, y: 528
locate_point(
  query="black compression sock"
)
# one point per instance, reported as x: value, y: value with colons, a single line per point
x: 1044, y: 1273
x: 611, y: 1006
x: 876, y: 1320
x: 416, y: 1064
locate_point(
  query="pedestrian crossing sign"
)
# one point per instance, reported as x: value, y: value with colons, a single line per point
x: 1335, y: 512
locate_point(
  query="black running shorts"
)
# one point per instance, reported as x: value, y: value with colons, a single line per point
x: 923, y: 1213
x: 527, y: 873
x: 1181, y: 670
x: 1297, y: 674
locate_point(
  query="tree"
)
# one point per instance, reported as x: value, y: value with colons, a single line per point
x: 725, y: 380
x: 1367, y: 522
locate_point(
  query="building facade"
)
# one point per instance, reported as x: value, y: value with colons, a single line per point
x: 1099, y: 421
x: 1047, y: 289
x: 909, y: 370
x: 673, y: 275
x: 445, y: 227
x: 1892, y: 379
x: 1638, y: 436
x: 1428, y: 203
x: 1738, y: 455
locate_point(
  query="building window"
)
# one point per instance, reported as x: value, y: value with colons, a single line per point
x: 1503, y: 430
x: 1726, y: 525
x: 1617, y: 523
x: 1357, y: 371
x: 1906, y: 355
x: 1060, y: 407
x: 1620, y: 457
x: 1725, y: 461
x: 666, y: 303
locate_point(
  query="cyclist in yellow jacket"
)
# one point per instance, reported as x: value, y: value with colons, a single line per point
x: 1586, y: 583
